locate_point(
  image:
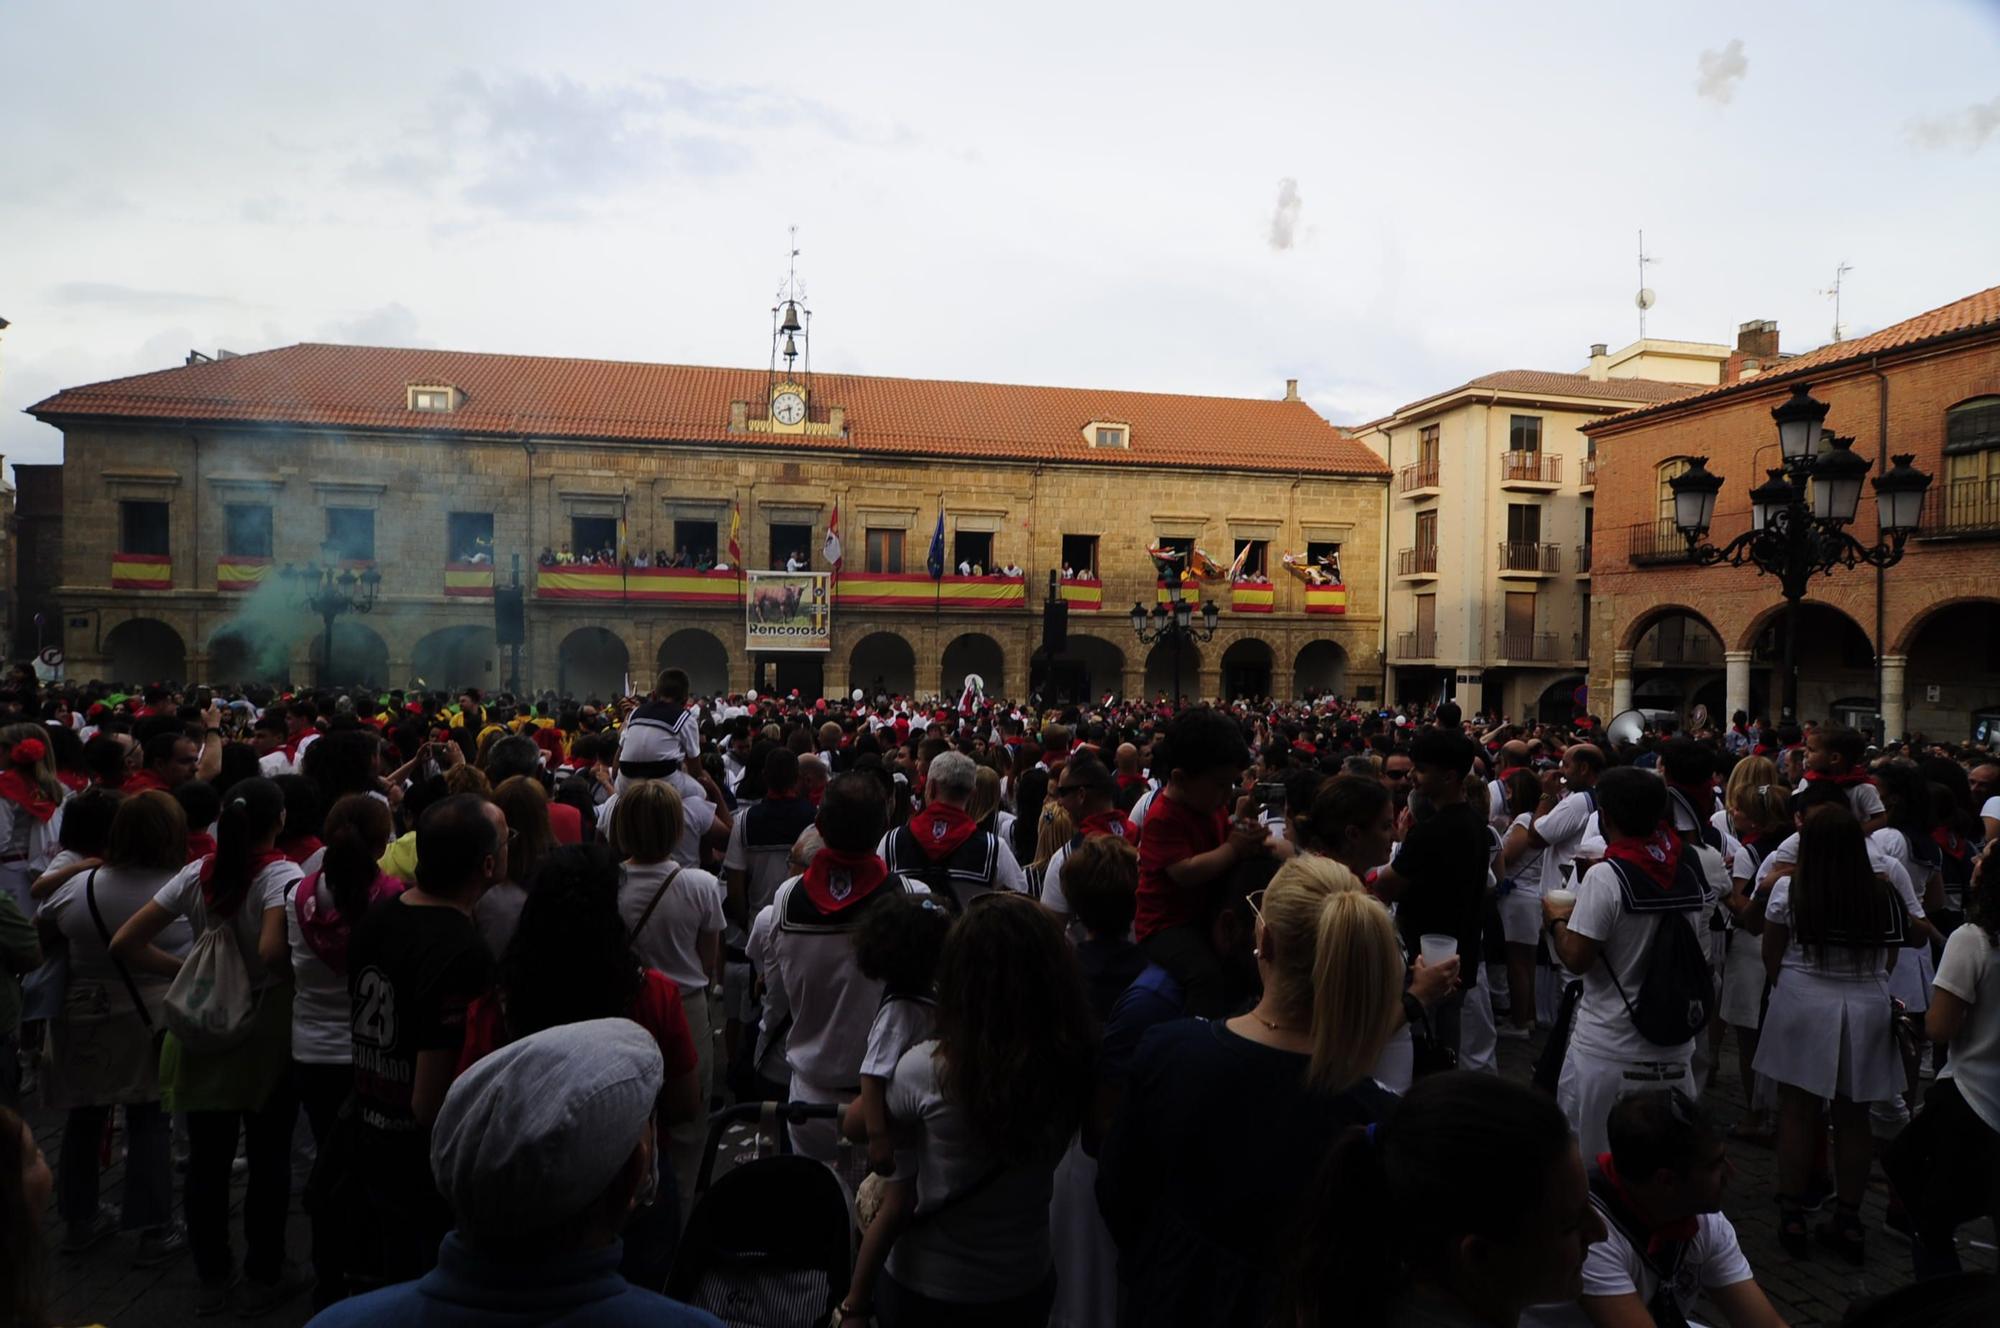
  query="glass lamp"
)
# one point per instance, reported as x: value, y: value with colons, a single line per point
x: 1899, y: 496
x: 1138, y: 617
x: 1836, y: 488
x: 1210, y: 615
x: 1774, y: 495
x: 1694, y: 497
x: 1798, y: 421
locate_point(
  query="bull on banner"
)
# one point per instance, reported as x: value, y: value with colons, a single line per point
x: 788, y: 611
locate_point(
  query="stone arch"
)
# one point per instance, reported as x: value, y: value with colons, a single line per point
x: 1642, y: 623
x: 883, y: 663
x: 1160, y: 669
x: 242, y: 652
x: 1920, y: 622
x: 143, y: 650
x: 974, y: 652
x: 1320, y: 668
x: 1836, y: 657
x: 592, y: 662
x: 1246, y: 669
x: 454, y: 658
x: 360, y: 657
x: 701, y: 655
x: 1101, y: 662
x: 1557, y: 703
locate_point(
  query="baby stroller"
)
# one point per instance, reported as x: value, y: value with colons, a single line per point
x: 771, y: 1243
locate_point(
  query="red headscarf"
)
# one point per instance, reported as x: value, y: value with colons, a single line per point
x: 18, y: 788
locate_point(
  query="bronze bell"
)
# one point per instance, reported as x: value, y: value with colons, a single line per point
x: 791, y: 323
x: 791, y: 350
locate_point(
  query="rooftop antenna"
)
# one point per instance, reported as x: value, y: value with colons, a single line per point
x: 1833, y: 292
x: 791, y: 320
x: 1645, y: 299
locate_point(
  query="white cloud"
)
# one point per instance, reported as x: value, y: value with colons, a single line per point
x: 1969, y: 128
x: 1721, y: 71
x: 1285, y: 218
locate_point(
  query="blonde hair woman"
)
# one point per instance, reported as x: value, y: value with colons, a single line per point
x: 674, y: 916
x: 1053, y: 829
x: 1759, y: 807
x: 1207, y: 1227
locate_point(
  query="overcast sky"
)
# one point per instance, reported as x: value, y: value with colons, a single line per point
x: 1379, y: 200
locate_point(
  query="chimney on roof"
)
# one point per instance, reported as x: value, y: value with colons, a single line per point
x: 739, y: 417
x: 1291, y: 389
x: 1599, y: 354
x: 836, y: 419
x: 1758, y: 338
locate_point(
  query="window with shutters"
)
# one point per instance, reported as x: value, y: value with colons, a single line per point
x: 885, y: 550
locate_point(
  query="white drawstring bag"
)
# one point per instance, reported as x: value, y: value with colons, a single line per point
x: 211, y: 1005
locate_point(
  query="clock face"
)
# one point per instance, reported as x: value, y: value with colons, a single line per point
x: 788, y: 408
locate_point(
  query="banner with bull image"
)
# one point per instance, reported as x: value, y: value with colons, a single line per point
x: 787, y: 611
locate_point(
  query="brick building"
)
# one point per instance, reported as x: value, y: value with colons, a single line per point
x: 440, y: 470
x: 1923, y: 637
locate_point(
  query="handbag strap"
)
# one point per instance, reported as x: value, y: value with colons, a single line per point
x: 653, y: 903
x: 104, y: 934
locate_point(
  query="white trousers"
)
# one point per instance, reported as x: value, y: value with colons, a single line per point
x: 1590, y: 1084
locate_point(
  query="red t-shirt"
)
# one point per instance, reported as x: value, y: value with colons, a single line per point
x: 657, y: 1009
x: 1173, y: 833
x: 565, y: 823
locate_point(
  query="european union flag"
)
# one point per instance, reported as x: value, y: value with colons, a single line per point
x: 935, y: 559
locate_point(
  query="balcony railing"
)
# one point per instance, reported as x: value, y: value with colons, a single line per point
x: 1583, y: 560
x: 1962, y: 508
x: 1525, y: 645
x: 1652, y: 542
x: 1588, y: 478
x: 1422, y: 475
x: 1416, y: 645
x: 1422, y: 560
x: 1530, y: 468
x: 1686, y: 648
x: 1525, y: 556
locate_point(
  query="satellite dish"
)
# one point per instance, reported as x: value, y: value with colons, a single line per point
x: 1626, y: 728
x: 1645, y: 298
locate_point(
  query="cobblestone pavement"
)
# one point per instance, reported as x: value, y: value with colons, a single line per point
x: 102, y: 1287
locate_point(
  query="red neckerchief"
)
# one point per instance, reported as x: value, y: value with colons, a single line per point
x: 72, y: 781
x: 940, y: 828
x: 1112, y: 822
x: 1701, y: 797
x: 837, y: 880
x: 1945, y: 839
x: 200, y: 845
x: 257, y: 864
x: 300, y: 848
x: 1677, y: 1232
x: 143, y: 781
x: 25, y: 793
x: 1656, y: 858
x: 1845, y: 779
x: 291, y: 745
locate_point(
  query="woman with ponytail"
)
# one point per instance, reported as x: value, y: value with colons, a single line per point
x: 1466, y: 1206
x: 244, y: 887
x: 1196, y: 1228
x: 324, y: 911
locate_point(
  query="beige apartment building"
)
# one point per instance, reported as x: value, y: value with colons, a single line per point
x: 1490, y: 528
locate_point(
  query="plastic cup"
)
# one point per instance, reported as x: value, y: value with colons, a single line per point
x: 1562, y: 899
x: 1437, y: 948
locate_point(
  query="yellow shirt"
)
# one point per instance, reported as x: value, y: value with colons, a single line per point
x: 400, y: 859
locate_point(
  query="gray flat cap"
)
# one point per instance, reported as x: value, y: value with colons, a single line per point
x: 534, y: 1132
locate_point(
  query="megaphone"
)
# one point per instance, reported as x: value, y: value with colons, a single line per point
x: 1626, y: 728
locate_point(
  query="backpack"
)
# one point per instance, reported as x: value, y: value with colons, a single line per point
x: 1676, y: 985
x: 211, y: 1005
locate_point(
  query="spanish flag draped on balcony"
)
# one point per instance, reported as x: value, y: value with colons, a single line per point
x: 234, y: 573
x: 142, y: 571
x: 1324, y: 591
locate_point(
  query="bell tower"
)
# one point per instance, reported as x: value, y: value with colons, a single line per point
x: 788, y: 386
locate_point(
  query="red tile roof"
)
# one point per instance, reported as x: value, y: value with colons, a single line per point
x: 1539, y: 383
x: 1960, y: 317
x: 364, y: 387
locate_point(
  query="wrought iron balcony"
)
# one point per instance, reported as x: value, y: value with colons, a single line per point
x: 1962, y: 509
x: 1583, y: 560
x: 1416, y: 645
x: 1525, y: 556
x: 1525, y: 645
x: 1530, y: 470
x: 1418, y: 478
x: 1421, y: 560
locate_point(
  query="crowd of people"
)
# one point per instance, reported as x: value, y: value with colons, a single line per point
x: 700, y: 560
x: 1102, y: 1013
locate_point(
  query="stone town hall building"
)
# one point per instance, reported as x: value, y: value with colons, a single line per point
x: 186, y: 491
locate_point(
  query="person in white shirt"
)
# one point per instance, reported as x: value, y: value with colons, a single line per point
x: 964, y: 567
x: 793, y: 563
x: 1984, y: 780
x: 1946, y: 1165
x: 1674, y: 882
x: 1659, y: 1192
x: 1562, y: 818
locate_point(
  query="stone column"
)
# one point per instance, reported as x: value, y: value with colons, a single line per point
x: 1735, y: 685
x: 1893, y: 710
x: 1132, y: 682
x: 1621, y: 681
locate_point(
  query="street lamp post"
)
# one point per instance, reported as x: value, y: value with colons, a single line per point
x: 332, y: 592
x: 1800, y: 513
x: 1173, y: 622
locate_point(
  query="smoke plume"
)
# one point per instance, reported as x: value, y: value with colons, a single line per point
x: 1720, y: 72
x: 1285, y: 219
